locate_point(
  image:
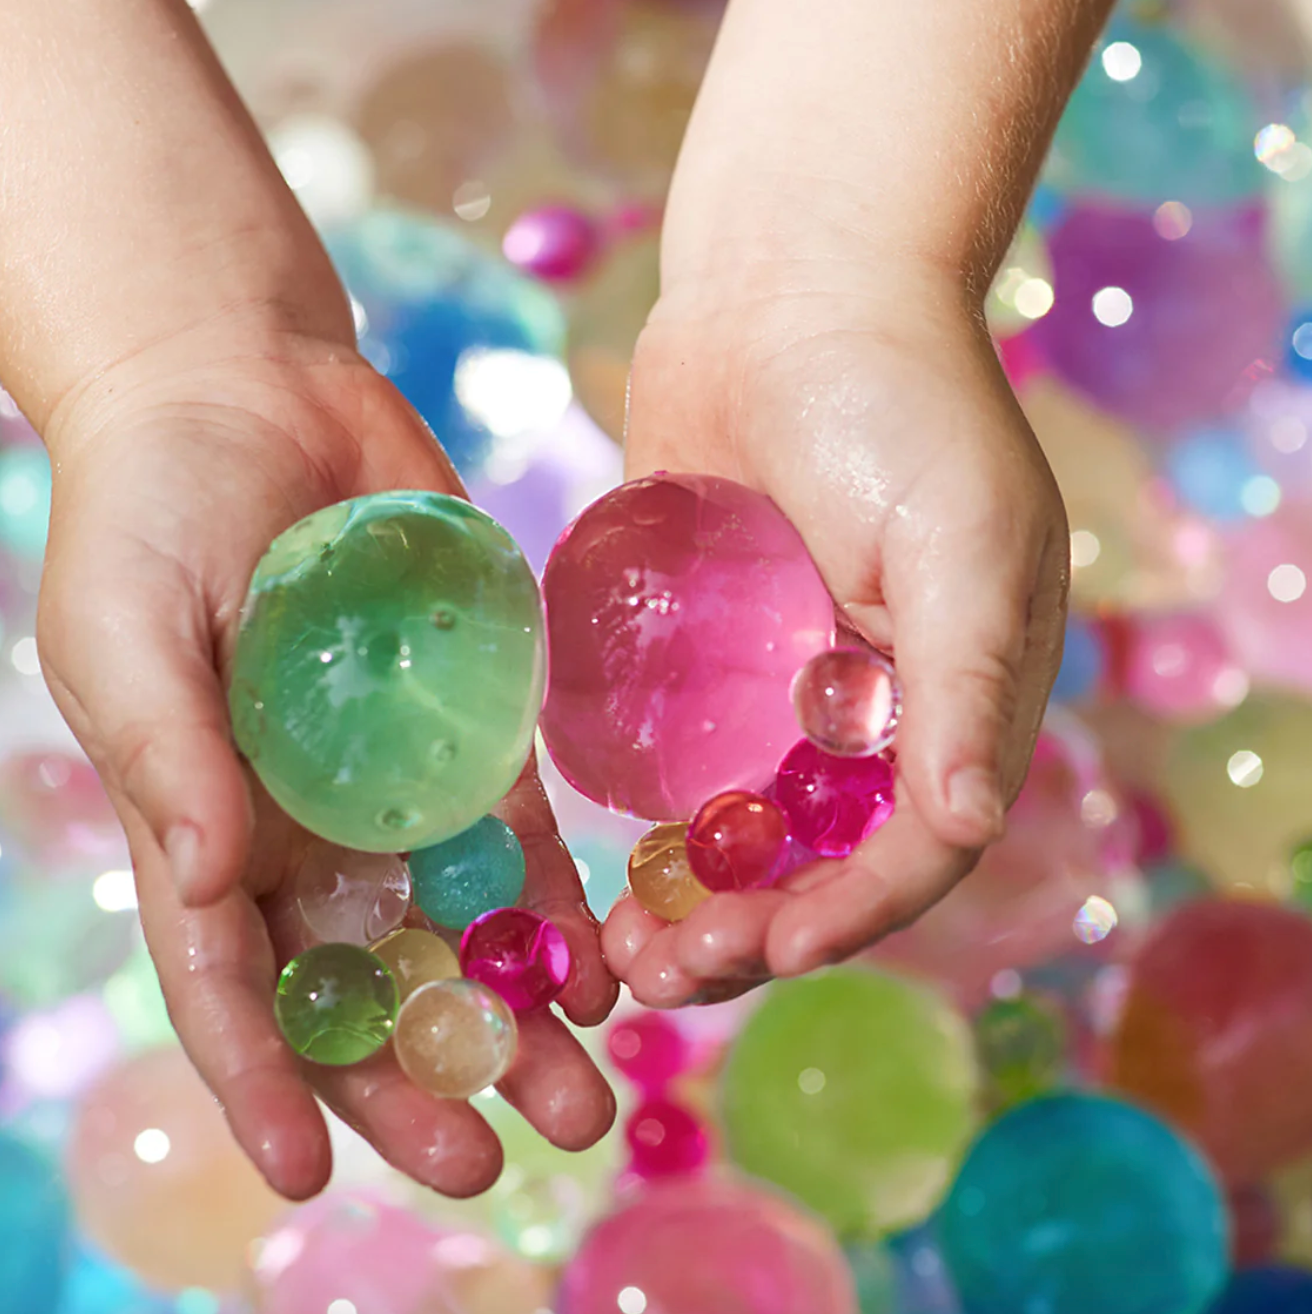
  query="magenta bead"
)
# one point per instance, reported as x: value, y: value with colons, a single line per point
x: 833, y: 803
x: 848, y: 701
x: 737, y: 841
x: 649, y: 1049
x: 1201, y: 310
x: 1180, y: 668
x: 554, y: 242
x: 522, y: 956
x: 679, y: 609
x: 665, y: 1139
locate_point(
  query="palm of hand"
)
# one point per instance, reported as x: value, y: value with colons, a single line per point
x: 147, y: 570
x: 906, y: 465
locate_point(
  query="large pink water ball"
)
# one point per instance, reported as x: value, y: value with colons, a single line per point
x: 1180, y: 668
x: 708, y: 1246
x: 679, y: 609
x: 1265, y: 608
x: 1160, y: 315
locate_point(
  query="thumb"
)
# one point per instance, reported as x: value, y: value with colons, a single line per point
x: 977, y: 636
x: 127, y: 651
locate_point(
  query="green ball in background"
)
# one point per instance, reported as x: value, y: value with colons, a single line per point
x: 1022, y: 1046
x: 474, y: 872
x: 390, y: 669
x: 856, y: 1092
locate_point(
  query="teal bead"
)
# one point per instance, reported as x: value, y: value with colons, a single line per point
x: 476, y: 871
x: 336, y: 1004
x: 389, y: 670
x: 24, y: 499
x: 1156, y: 119
x: 875, y: 1276
x: 1077, y: 1204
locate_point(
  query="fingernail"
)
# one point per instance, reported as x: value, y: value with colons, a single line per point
x: 973, y: 796
x: 182, y: 847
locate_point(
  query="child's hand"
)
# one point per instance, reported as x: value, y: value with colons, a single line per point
x: 171, y: 481
x: 887, y: 433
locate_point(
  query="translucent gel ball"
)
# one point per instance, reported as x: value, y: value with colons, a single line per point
x: 1155, y: 327
x: 35, y: 1225
x: 336, y: 1004
x: 474, y: 872
x: 665, y: 1139
x: 157, y: 1181
x: 389, y: 669
x: 415, y: 957
x: 1156, y: 119
x: 346, y: 897
x: 517, y: 953
x: 833, y: 803
x: 455, y: 1038
x: 1273, y: 1289
x: 661, y: 877
x: 472, y: 344
x: 848, y: 702
x: 1022, y: 1047
x: 737, y: 841
x: 812, y: 1062
x: 555, y: 243
x: 648, y: 1049
x: 1215, y: 1032
x: 1084, y: 1205
x: 1180, y: 668
x: 679, y: 608
x: 24, y: 499
x: 692, y: 1246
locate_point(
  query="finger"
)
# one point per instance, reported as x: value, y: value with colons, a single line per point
x: 554, y: 890
x: 556, y: 1086
x: 837, y: 908
x: 978, y: 640
x: 627, y: 931
x: 655, y: 978
x: 724, y: 937
x: 217, y: 970
x: 128, y: 654
x: 444, y: 1144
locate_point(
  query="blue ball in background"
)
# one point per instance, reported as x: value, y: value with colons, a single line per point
x: 1298, y: 348
x: 1081, y: 1204
x: 474, y: 346
x: 1212, y: 471
x: 924, y: 1285
x: 1267, y: 1290
x: 95, y: 1284
x: 34, y: 1230
x: 474, y: 872
x: 1083, y: 660
x: 24, y: 499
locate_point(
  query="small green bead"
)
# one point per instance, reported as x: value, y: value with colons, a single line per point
x: 390, y: 668
x: 1022, y: 1049
x: 1300, y: 874
x: 480, y: 869
x: 336, y: 1004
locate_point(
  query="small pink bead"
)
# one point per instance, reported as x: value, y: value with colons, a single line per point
x: 554, y: 242
x: 848, y: 701
x: 522, y: 956
x: 648, y: 1049
x: 833, y: 803
x: 664, y: 1139
x: 1155, y: 830
x: 737, y: 841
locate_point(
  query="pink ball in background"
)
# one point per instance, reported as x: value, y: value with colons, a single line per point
x: 665, y: 1139
x: 679, y: 609
x: 54, y: 806
x: 1265, y: 607
x: 708, y: 1246
x: 1157, y: 326
x: 1180, y: 668
x: 556, y: 243
x: 648, y: 1049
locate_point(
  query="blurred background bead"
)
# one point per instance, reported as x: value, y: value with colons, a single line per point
x: 519, y: 954
x: 470, y: 874
x: 34, y: 1216
x: 1067, y: 1195
x: 660, y: 875
x: 737, y: 841
x: 648, y: 1049
x: 24, y: 499
x: 833, y: 803
x: 54, y: 808
x: 336, y: 1004
x: 157, y: 1180
x: 347, y: 897
x: 848, y: 702
x: 328, y: 167
x: 555, y: 243
x: 1083, y: 662
x: 455, y: 1038
x: 1267, y: 1290
x: 666, y: 1139
x: 1180, y: 668
x: 1022, y: 1046
x: 415, y: 957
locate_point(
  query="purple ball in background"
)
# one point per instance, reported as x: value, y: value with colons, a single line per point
x: 1161, y: 315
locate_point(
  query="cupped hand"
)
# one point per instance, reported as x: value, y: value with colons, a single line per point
x: 171, y: 480
x: 873, y: 411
